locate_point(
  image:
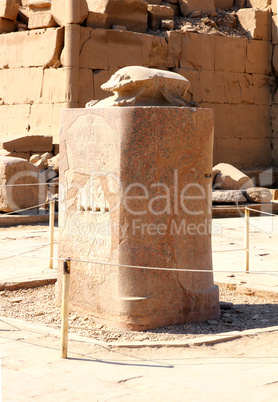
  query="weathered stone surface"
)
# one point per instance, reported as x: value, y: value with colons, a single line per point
x: 223, y: 4
x: 96, y: 20
x: 118, y: 144
x: 175, y: 7
x: 22, y: 155
x: 239, y: 3
x: 85, y: 86
x: 158, y: 2
x: 256, y: 22
x: 262, y: 4
x: 7, y: 26
x: 274, y: 193
x: 47, y: 174
x: 119, y: 27
x: 275, y: 59
x: 197, y: 51
x: 226, y: 305
x: 40, y: 18
x: 32, y: 48
x: 133, y: 14
x: 54, y: 162
x: 123, y: 48
x: 228, y: 197
x: 222, y: 50
x: 38, y: 4
x: 258, y: 194
x: 187, y: 6
x: 28, y: 143
x: 230, y: 178
x: 157, y: 14
x: 19, y: 171
x: 34, y: 158
x: 258, y: 57
x: 235, y: 142
x: 274, y: 31
x: 80, y: 12
x: 167, y: 25
x: 9, y: 9
x: 23, y: 15
x: 42, y: 163
x: 135, y: 85
x: 28, y: 91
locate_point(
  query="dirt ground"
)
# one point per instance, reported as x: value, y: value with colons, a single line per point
x: 238, y: 312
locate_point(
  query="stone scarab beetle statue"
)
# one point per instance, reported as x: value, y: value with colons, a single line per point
x: 142, y: 86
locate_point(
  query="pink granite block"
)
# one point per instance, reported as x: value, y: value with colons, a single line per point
x: 135, y: 188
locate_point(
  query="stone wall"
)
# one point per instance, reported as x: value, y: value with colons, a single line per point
x: 230, y: 75
x: 234, y: 76
x: 32, y: 91
x: 274, y: 108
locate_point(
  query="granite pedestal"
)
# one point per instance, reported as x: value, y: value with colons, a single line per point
x: 135, y: 190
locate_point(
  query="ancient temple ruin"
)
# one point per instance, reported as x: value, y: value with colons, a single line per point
x: 226, y: 48
x: 135, y: 204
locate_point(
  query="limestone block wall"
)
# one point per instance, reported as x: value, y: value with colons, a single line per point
x: 230, y: 75
x: 32, y: 91
x: 234, y: 76
x: 274, y: 108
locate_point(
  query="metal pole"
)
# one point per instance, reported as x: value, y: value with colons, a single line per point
x: 51, y: 232
x: 247, y: 215
x: 65, y: 309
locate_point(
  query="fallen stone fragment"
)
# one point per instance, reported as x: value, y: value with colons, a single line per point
x: 23, y: 15
x: 40, y: 18
x: 119, y: 27
x: 96, y: 20
x: 167, y: 25
x: 226, y: 305
x: 79, y: 15
x: 7, y: 26
x: 15, y: 171
x: 258, y: 194
x: 230, y: 178
x: 228, y: 197
x: 34, y: 158
x: 54, y: 163
x: 133, y: 14
x: 42, y: 163
x: 255, y: 22
x: 187, y: 6
x: 195, y: 14
x: 16, y: 300
x: 212, y: 322
x: 9, y: 9
x: 39, y: 3
x: 157, y: 14
x: 274, y: 193
x: 28, y: 143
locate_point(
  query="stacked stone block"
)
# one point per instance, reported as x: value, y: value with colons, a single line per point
x: 234, y: 76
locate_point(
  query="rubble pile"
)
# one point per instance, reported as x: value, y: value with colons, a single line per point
x: 231, y: 186
x: 216, y: 17
x: 25, y: 161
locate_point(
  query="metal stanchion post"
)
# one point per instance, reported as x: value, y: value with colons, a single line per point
x: 65, y: 309
x: 51, y: 232
x: 247, y: 215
